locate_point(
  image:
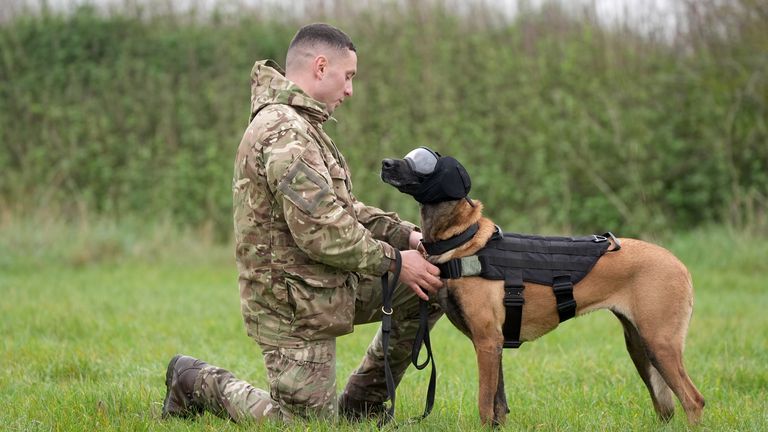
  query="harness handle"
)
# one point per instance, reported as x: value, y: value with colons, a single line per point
x: 616, y: 242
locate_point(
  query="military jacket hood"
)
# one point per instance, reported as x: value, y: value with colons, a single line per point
x: 270, y: 86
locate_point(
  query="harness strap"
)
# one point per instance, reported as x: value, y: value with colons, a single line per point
x: 387, y: 292
x: 513, y: 303
x: 563, y: 289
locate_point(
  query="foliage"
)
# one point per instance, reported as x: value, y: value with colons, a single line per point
x: 565, y: 124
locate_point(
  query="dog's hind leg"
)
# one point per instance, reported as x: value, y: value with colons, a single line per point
x: 661, y: 394
x: 663, y: 336
x: 666, y: 355
x: 500, y: 407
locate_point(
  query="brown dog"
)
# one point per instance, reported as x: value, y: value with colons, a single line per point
x: 644, y: 285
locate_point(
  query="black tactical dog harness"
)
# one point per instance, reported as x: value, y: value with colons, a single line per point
x: 559, y: 262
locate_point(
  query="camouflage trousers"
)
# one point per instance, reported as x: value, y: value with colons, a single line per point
x: 303, y: 380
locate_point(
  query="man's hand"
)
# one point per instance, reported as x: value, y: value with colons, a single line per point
x: 418, y: 274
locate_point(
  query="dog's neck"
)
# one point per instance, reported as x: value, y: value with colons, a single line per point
x: 448, y: 219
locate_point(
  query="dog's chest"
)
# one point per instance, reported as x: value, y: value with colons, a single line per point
x: 452, y: 307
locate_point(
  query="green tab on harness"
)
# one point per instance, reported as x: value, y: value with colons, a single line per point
x: 458, y: 267
x: 470, y: 266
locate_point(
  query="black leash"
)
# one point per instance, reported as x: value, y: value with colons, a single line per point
x: 387, y: 291
x: 422, y: 338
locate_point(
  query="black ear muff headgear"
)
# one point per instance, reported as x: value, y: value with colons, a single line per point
x: 442, y: 178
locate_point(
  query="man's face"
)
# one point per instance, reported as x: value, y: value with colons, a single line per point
x: 336, y: 82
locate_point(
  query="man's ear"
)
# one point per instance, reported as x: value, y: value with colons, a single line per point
x: 319, y: 66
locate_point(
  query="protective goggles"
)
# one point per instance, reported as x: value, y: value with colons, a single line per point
x: 422, y: 160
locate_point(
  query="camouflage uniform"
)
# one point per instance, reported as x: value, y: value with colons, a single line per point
x: 309, y: 256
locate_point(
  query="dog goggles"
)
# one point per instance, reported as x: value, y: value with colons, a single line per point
x: 439, y: 178
x: 422, y: 160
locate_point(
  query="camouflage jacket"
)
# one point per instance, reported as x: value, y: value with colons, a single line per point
x: 302, y: 238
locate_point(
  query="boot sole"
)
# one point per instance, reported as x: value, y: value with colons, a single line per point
x: 168, y: 382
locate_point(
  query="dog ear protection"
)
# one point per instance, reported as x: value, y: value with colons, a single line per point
x: 442, y: 178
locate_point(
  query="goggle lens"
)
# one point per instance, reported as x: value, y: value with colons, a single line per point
x: 422, y: 160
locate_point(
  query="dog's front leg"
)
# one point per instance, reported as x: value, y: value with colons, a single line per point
x: 488, y: 363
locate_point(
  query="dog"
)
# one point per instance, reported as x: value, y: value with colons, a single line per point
x: 648, y: 289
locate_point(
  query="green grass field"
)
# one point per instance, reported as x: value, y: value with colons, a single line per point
x: 90, y: 316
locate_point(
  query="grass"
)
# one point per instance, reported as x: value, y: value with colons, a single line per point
x: 92, y: 312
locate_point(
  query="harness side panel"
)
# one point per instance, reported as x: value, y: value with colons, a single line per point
x: 540, y: 258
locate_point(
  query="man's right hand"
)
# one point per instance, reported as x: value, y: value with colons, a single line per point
x: 418, y: 274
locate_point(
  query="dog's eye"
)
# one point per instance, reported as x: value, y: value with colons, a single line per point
x: 422, y: 160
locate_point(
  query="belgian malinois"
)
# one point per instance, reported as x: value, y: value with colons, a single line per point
x: 644, y: 285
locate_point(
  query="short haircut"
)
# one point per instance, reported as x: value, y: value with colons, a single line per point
x: 312, y: 34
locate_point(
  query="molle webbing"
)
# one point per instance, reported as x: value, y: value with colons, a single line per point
x: 559, y: 262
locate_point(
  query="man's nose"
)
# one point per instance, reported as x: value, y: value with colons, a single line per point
x: 348, y: 90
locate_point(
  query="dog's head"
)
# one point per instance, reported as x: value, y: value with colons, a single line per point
x: 427, y: 176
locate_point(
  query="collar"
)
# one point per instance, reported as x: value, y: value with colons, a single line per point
x: 442, y: 246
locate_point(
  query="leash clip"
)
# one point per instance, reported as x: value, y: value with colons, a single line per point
x: 383, y: 310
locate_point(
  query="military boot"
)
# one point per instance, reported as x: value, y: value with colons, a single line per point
x: 180, y: 384
x: 354, y: 409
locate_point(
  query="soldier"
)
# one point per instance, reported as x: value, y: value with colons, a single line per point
x: 309, y: 254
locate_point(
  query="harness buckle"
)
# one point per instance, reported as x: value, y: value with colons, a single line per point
x: 513, y: 300
x: 598, y: 238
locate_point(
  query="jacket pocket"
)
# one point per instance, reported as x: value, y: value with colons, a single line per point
x: 323, y: 303
x: 261, y: 294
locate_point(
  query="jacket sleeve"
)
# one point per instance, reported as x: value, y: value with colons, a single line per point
x: 302, y: 186
x: 385, y: 226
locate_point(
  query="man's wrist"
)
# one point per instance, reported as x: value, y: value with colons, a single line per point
x: 414, y: 239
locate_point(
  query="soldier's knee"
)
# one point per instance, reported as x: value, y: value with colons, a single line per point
x: 303, y: 380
